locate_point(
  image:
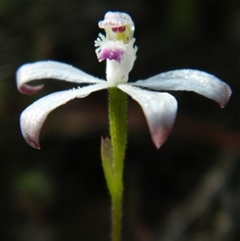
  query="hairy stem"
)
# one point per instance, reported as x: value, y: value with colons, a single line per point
x: 118, y: 132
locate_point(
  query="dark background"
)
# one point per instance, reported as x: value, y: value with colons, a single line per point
x: 186, y: 191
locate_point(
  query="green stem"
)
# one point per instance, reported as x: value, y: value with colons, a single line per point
x: 116, y: 217
x: 118, y: 132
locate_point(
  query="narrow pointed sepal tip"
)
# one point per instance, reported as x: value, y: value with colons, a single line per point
x: 32, y: 142
x: 159, y: 136
x: 226, y: 93
x: 223, y: 104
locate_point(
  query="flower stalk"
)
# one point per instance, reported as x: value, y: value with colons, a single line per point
x: 113, y: 154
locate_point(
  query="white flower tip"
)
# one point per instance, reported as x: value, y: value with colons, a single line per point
x: 32, y: 142
x: 227, y: 92
x: 23, y: 76
x: 159, y: 136
x: 30, y: 131
x: 29, y: 90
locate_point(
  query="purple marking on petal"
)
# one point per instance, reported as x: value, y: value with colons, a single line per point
x: 111, y: 54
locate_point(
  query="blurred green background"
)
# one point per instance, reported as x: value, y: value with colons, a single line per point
x: 189, y: 190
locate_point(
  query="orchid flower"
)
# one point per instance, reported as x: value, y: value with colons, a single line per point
x: 118, y: 49
x: 159, y: 108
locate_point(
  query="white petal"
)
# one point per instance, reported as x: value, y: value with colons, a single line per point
x: 190, y: 80
x: 33, y: 117
x: 50, y: 70
x: 159, y: 108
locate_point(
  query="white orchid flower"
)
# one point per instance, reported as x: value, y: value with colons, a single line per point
x: 117, y: 48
